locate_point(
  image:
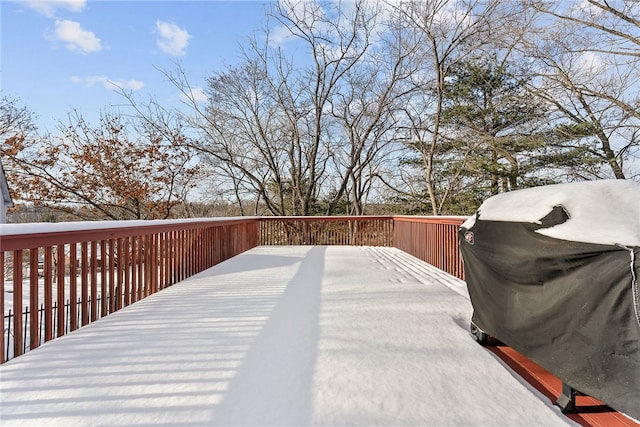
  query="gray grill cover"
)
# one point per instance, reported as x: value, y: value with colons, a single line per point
x: 568, y: 306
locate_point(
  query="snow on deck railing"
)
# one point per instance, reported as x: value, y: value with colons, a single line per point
x: 58, y: 277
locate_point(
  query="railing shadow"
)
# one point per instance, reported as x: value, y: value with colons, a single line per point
x: 273, y: 384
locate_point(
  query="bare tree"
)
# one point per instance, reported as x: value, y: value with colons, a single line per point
x: 15, y: 119
x: 268, y: 122
x: 447, y: 32
x: 588, y: 64
x: 365, y: 110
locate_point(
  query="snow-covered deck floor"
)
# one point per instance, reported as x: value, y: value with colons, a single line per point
x: 279, y: 336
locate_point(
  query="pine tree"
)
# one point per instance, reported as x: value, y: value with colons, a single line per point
x: 499, y: 134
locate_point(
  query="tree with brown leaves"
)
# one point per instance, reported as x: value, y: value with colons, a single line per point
x: 120, y: 169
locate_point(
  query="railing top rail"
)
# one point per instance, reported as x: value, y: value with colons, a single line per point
x: 327, y: 218
x: 26, y: 236
x: 433, y: 219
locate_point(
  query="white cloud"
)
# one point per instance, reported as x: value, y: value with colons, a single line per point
x: 452, y: 15
x: 586, y: 8
x: 591, y: 64
x: 329, y: 16
x: 49, y: 7
x: 76, y: 38
x: 172, y: 39
x: 197, y: 95
x: 107, y: 83
x: 279, y: 35
x: 305, y: 12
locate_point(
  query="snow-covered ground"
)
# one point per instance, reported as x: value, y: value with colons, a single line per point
x: 279, y: 336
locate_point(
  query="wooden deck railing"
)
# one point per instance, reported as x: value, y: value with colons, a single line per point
x: 65, y: 279
x: 433, y: 239
x: 327, y: 230
x: 96, y: 271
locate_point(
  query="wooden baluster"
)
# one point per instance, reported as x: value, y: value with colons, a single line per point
x: 48, y: 293
x: 73, y: 287
x: 18, y: 325
x: 34, y: 338
x: 60, y: 290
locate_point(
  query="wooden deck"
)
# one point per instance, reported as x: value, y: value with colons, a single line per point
x: 294, y: 335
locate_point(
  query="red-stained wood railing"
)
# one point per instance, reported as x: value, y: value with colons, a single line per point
x: 101, y: 270
x: 433, y: 239
x: 327, y: 230
x: 70, y: 278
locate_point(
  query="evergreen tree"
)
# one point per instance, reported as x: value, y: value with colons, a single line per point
x: 499, y: 134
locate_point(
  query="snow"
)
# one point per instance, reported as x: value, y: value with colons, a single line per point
x: 603, y: 212
x: 294, y: 335
x: 49, y: 227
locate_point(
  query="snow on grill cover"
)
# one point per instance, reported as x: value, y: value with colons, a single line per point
x: 553, y: 272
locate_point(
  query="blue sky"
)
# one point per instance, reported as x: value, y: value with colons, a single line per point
x: 62, y: 55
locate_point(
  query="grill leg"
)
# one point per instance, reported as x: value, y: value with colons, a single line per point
x: 478, y: 334
x: 567, y: 399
